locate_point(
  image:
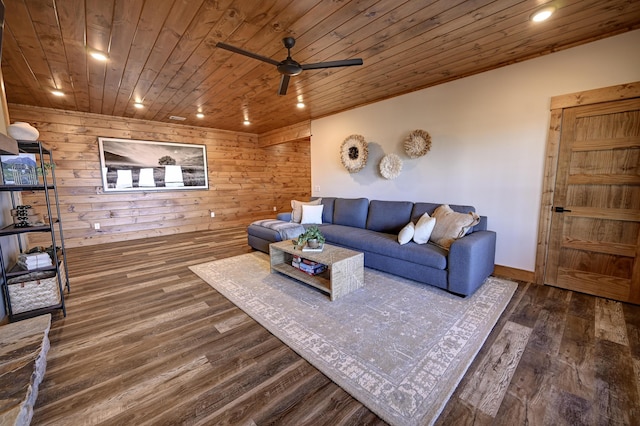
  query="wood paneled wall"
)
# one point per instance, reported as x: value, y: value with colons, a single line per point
x: 245, y: 180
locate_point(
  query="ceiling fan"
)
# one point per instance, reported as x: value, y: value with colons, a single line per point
x: 289, y: 67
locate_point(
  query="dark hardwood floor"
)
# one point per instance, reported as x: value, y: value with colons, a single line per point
x: 145, y: 341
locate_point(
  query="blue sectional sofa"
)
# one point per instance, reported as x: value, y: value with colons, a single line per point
x: 373, y: 227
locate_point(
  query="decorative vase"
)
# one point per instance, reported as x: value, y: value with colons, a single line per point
x: 313, y: 243
x: 22, y: 131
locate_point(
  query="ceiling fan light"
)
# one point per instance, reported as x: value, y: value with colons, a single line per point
x: 289, y: 67
x: 543, y: 14
x: 300, y: 105
x: 246, y: 122
x: 57, y: 93
x: 200, y: 115
x: 138, y: 105
x: 99, y: 56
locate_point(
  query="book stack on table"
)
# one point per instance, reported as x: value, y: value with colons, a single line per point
x: 308, y: 266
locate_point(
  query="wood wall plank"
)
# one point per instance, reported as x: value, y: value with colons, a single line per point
x: 246, y: 181
x: 294, y: 133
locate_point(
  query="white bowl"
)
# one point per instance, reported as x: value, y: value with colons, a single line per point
x: 22, y: 131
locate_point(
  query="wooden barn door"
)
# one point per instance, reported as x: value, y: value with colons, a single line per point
x: 594, y: 240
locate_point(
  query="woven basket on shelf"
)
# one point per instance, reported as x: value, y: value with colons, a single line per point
x: 34, y: 291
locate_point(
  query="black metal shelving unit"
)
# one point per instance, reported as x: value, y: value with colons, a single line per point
x: 54, y: 225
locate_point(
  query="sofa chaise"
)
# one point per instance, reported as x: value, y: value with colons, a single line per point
x: 373, y: 228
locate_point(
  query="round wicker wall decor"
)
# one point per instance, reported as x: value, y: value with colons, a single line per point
x: 390, y: 166
x: 417, y: 144
x: 353, y: 153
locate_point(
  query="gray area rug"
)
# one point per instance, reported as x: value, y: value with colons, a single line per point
x: 397, y: 346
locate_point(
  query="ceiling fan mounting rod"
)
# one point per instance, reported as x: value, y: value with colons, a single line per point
x: 289, y: 42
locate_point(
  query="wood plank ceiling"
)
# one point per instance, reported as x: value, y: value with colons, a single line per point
x: 163, y: 52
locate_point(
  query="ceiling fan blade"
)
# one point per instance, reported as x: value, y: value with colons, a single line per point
x: 333, y: 64
x: 284, y: 84
x: 246, y: 53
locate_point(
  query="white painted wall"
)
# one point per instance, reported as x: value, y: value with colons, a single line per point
x: 488, y: 139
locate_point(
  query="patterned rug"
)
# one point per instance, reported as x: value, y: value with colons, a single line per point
x: 397, y: 346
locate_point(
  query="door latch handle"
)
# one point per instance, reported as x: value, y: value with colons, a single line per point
x: 561, y: 210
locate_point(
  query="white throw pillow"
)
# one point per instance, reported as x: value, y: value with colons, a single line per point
x: 406, y: 233
x: 296, y: 206
x: 424, y: 228
x: 311, y: 214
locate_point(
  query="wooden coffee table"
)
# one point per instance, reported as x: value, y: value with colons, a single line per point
x: 345, y: 271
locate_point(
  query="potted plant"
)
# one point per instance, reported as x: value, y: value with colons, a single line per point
x: 312, y: 237
x: 45, y: 169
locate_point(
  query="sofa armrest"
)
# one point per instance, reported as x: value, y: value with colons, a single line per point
x: 284, y: 216
x: 471, y: 260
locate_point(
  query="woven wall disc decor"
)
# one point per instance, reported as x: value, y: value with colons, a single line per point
x: 390, y: 166
x: 353, y: 153
x: 417, y: 144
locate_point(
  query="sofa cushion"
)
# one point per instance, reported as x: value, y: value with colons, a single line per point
x: 311, y: 214
x: 388, y: 216
x: 385, y: 244
x: 421, y: 208
x: 451, y: 225
x: 424, y: 228
x: 406, y: 234
x: 296, y: 206
x: 414, y: 271
x: 351, y: 212
x: 327, y: 212
x: 263, y: 233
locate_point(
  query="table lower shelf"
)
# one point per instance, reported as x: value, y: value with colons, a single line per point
x: 344, y: 274
x: 320, y: 281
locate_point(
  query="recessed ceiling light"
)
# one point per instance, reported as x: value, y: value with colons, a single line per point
x: 57, y: 93
x: 200, y: 115
x: 543, y: 14
x: 246, y: 122
x: 98, y: 55
x: 138, y: 105
x: 300, y: 105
